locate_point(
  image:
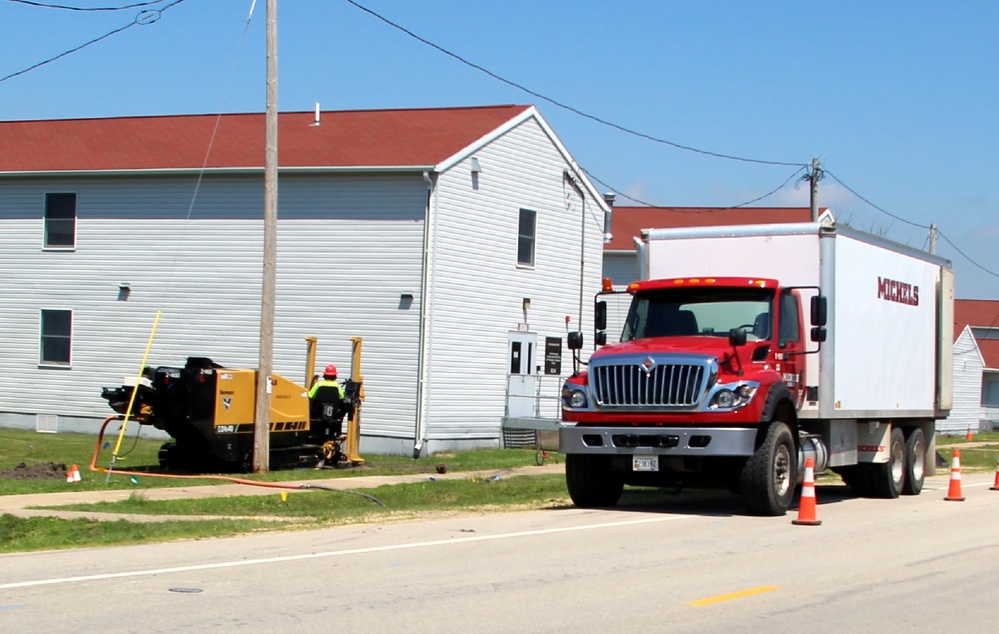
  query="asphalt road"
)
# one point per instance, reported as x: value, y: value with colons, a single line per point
x: 915, y: 564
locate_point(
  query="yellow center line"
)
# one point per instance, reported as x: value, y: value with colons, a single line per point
x: 733, y: 595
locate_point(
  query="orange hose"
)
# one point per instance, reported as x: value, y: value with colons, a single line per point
x: 100, y: 437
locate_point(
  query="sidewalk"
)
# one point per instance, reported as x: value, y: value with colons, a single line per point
x: 21, y: 505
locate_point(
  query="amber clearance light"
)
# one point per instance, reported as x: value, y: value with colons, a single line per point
x: 695, y: 280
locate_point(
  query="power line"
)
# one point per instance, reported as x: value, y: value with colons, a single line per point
x: 913, y: 224
x: 885, y: 212
x: 559, y: 104
x: 148, y: 16
x: 966, y: 257
x: 748, y: 202
x: 646, y: 136
x: 46, y: 5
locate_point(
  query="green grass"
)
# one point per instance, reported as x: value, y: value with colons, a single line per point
x: 954, y: 439
x: 293, y: 510
x: 140, y: 456
x: 48, y: 533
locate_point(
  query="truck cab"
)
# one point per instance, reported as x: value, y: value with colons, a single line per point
x: 702, y: 364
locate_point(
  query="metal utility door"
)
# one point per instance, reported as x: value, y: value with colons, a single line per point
x: 522, y: 386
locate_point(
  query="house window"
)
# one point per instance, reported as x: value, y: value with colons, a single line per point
x: 57, y: 334
x: 990, y: 393
x: 60, y: 220
x: 526, y: 237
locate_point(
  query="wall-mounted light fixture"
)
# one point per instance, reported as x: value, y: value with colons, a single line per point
x: 124, y: 288
x: 476, y: 168
x: 527, y: 303
x: 405, y: 300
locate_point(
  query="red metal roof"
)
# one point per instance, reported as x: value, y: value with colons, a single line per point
x: 976, y: 312
x: 355, y: 138
x: 628, y: 222
x: 990, y: 352
x: 982, y: 313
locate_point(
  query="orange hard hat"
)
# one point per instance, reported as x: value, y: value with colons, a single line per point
x: 330, y: 370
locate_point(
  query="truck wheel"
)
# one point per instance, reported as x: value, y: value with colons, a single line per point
x: 768, y: 479
x: 915, y: 462
x: 888, y: 479
x: 591, y: 481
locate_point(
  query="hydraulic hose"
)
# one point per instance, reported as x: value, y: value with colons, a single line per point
x: 270, y: 485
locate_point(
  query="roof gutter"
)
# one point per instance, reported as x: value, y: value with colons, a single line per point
x: 184, y: 171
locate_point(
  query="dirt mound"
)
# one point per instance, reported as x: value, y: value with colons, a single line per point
x: 39, y: 471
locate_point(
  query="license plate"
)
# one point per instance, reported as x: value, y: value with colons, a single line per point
x: 645, y: 463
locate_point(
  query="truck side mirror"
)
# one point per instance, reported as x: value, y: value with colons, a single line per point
x: 575, y: 340
x: 819, y: 334
x: 600, y: 338
x: 819, y: 310
x: 600, y: 316
x: 737, y: 337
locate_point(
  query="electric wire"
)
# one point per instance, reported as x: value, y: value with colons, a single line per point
x: 560, y: 104
x: 748, y: 202
x: 913, y: 224
x: 646, y: 136
x: 143, y: 18
x: 65, y: 7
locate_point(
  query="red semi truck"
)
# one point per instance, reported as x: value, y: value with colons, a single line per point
x: 747, y: 349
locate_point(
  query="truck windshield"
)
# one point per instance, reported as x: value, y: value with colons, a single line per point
x: 700, y: 311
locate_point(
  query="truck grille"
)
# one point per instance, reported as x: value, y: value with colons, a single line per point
x: 666, y: 385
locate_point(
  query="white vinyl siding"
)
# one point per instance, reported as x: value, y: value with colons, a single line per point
x: 967, y: 407
x: 348, y: 247
x: 477, y: 290
x: 621, y: 267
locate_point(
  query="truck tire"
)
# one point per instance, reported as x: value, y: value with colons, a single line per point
x: 888, y: 479
x: 591, y: 481
x: 769, y: 477
x: 915, y: 462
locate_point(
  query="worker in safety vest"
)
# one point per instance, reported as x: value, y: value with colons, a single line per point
x: 329, y: 379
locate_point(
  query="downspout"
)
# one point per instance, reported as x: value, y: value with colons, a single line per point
x: 582, y: 242
x: 423, y: 358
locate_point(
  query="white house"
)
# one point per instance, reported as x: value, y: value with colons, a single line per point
x: 976, y: 367
x: 456, y: 242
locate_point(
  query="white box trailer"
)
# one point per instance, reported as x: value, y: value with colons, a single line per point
x: 888, y: 351
x: 742, y: 403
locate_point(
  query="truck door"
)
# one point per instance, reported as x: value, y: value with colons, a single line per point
x: 790, y: 345
x: 522, y: 382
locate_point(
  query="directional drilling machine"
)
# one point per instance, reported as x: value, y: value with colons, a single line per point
x: 208, y: 411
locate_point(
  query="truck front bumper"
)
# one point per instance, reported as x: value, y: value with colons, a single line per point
x: 673, y: 441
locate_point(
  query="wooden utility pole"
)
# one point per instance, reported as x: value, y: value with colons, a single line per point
x: 814, y: 180
x: 262, y: 413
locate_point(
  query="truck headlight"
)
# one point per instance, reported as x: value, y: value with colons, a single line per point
x: 575, y: 399
x: 726, y: 398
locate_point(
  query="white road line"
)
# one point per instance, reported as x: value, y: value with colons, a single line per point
x: 344, y: 553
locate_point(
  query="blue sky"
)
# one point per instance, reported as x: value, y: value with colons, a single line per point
x: 897, y: 99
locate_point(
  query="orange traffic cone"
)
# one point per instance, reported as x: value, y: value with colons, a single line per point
x: 969, y: 435
x: 73, y: 474
x: 806, y: 503
x: 954, y: 492
x: 995, y: 487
